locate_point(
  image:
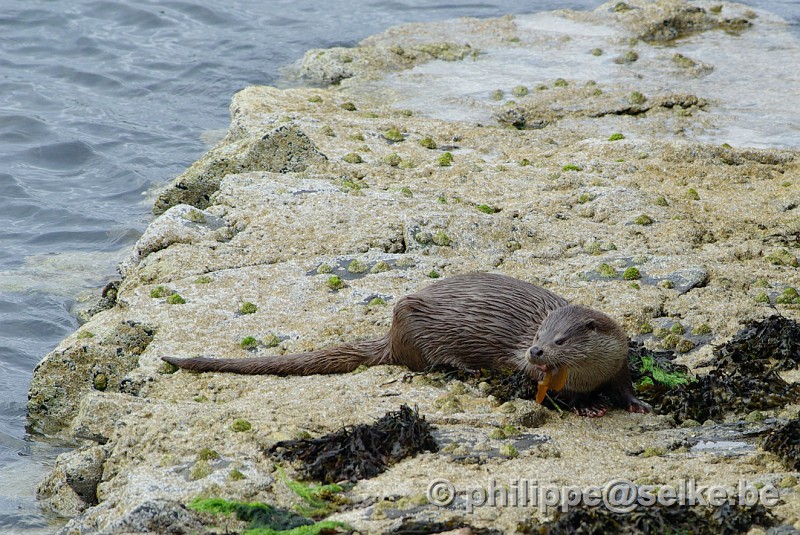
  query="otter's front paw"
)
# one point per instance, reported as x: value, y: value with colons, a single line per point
x: 591, y: 411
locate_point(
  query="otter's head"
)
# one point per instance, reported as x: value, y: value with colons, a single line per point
x: 588, y: 343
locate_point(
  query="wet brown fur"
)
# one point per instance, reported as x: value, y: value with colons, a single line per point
x: 474, y: 321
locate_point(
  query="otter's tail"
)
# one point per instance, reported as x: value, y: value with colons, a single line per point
x: 340, y: 359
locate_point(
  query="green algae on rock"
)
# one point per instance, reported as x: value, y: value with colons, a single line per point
x: 606, y: 271
x: 176, y: 299
x: 380, y: 267
x: 241, y: 425
x: 519, y: 91
x: 248, y: 308
x: 445, y: 160
x: 249, y: 342
x: 393, y: 159
x: 441, y: 239
x: 427, y: 142
x: 357, y: 266
x: 352, y: 157
x: 393, y: 135
x: 631, y: 273
x: 788, y: 297
x: 160, y: 291
x: 264, y: 519
x: 334, y: 282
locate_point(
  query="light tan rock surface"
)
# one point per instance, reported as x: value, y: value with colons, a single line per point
x: 276, y: 200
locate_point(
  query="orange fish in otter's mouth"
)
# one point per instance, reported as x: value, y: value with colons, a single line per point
x: 553, y: 380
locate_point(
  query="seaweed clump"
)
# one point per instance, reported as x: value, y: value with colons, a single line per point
x: 785, y: 443
x: 454, y: 525
x: 725, y: 519
x: 362, y: 451
x: 745, y: 376
x: 775, y: 340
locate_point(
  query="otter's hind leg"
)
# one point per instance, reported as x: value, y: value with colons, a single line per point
x: 403, y: 344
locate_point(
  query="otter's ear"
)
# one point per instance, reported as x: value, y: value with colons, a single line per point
x: 591, y: 324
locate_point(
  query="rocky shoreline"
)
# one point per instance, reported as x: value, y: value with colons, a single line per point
x: 323, y: 205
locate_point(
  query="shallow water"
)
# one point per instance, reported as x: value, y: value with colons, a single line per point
x: 102, y: 101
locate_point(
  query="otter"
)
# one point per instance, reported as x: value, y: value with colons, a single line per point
x: 480, y: 321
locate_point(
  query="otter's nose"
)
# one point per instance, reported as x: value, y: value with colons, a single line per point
x: 535, y: 351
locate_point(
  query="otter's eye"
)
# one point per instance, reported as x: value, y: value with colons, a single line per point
x: 560, y: 341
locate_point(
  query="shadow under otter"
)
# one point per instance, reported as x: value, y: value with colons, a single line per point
x: 480, y: 321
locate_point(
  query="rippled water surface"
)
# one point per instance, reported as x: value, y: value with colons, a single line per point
x: 99, y: 103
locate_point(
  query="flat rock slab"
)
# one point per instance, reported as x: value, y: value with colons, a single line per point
x: 281, y: 204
